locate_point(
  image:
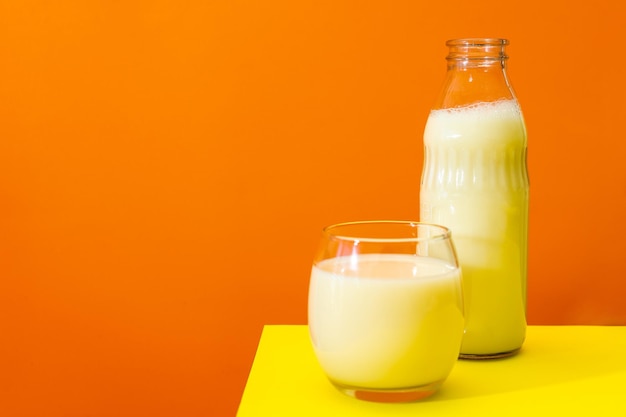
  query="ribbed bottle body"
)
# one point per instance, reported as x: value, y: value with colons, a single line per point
x: 475, y: 182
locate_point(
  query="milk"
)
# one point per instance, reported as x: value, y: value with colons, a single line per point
x: 385, y: 321
x: 475, y: 182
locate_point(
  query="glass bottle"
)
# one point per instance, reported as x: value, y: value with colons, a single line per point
x: 475, y: 181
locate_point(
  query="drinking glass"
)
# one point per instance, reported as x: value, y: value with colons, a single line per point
x: 385, y: 308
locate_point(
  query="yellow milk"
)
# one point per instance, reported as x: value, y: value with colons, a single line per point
x: 385, y: 321
x: 475, y: 182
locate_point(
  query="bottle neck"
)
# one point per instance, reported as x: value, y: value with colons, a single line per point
x: 477, y: 53
x: 476, y: 73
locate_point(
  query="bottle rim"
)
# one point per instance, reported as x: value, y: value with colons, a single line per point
x: 477, y: 49
x: 478, y: 42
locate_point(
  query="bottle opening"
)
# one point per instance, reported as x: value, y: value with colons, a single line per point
x: 483, y: 49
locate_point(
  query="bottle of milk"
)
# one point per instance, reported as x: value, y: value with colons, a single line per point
x: 475, y: 181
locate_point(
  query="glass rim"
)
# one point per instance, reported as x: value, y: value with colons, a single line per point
x: 443, y: 232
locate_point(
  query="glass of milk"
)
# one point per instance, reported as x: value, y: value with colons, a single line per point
x: 386, y: 308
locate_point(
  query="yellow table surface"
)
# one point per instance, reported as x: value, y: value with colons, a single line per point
x: 565, y: 370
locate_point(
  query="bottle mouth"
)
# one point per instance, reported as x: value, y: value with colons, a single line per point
x: 478, y: 42
x: 483, y: 49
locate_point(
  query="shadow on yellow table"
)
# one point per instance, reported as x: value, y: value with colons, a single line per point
x: 565, y: 370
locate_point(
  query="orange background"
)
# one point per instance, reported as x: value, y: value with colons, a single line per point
x: 166, y: 166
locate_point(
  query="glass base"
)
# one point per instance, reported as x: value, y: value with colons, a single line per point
x: 478, y: 356
x: 390, y: 395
